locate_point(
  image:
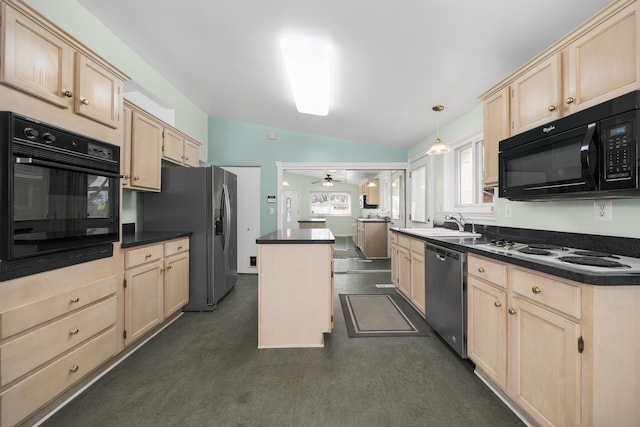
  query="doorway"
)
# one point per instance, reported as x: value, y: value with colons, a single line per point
x: 248, y: 217
x: 290, y: 208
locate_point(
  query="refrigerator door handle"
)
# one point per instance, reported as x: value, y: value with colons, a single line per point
x: 227, y: 217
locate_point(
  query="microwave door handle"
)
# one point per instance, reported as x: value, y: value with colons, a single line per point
x: 587, y: 151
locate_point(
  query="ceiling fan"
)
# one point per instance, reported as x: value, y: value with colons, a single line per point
x: 327, y: 181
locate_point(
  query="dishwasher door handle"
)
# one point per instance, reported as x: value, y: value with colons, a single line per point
x: 441, y: 257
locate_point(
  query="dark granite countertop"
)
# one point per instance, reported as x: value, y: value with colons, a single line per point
x: 131, y: 240
x: 313, y: 220
x: 473, y: 245
x: 291, y: 236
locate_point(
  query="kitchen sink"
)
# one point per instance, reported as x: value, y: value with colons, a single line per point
x: 439, y: 232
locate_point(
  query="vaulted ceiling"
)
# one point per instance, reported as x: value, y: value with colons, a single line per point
x: 394, y: 59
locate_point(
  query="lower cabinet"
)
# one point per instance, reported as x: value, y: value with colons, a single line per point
x: 548, y: 345
x: 56, y: 328
x: 156, y: 285
x: 407, y: 269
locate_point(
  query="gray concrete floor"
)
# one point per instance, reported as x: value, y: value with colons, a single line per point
x: 205, y: 370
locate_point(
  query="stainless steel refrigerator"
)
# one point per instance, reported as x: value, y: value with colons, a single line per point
x: 201, y: 200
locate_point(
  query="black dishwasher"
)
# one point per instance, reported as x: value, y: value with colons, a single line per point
x: 445, y: 295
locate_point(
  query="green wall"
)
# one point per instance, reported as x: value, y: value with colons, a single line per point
x: 236, y: 143
x: 339, y: 225
x: 576, y: 216
x: 76, y: 20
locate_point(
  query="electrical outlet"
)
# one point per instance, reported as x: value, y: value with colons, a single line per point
x: 507, y: 210
x: 603, y: 210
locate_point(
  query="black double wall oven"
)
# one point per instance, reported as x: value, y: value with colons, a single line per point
x: 59, y: 197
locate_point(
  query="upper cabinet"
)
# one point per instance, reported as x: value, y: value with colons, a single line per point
x: 597, y: 61
x: 44, y: 63
x: 180, y: 149
x: 148, y: 141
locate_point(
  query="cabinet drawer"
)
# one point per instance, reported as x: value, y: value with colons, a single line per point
x: 136, y: 257
x: 417, y: 246
x: 176, y: 246
x: 558, y: 295
x: 29, y: 315
x: 28, y: 395
x: 486, y: 269
x: 394, y: 237
x: 35, y: 348
x: 404, y: 241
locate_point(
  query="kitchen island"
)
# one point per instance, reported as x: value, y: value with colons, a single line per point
x: 295, y: 288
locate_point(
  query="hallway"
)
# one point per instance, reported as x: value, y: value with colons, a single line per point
x: 205, y: 370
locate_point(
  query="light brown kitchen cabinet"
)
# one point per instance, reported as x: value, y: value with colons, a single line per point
x: 597, y: 61
x: 417, y: 275
x: 179, y: 149
x: 536, y: 95
x: 156, y: 285
x: 39, y: 62
x: 548, y: 345
x: 394, y: 259
x: 544, y: 364
x: 408, y: 257
x: 487, y: 329
x: 176, y: 276
x: 370, y: 188
x: 372, y: 238
x: 142, y: 151
x: 605, y: 62
x: 56, y: 328
x: 496, y: 128
x: 143, y: 292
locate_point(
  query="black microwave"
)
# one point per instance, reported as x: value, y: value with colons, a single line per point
x: 590, y: 154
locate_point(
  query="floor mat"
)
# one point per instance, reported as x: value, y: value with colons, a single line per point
x: 377, y: 315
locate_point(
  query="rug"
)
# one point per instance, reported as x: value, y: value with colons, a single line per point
x: 377, y: 315
x: 349, y: 253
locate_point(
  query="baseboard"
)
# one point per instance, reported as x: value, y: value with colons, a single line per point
x: 47, y: 411
x: 507, y: 402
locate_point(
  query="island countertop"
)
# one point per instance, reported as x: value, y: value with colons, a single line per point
x: 289, y: 236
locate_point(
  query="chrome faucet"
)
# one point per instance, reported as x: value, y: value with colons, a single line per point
x: 459, y: 221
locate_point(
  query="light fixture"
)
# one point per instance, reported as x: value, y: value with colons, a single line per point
x: 309, y: 64
x: 438, y: 147
x: 371, y: 183
x: 285, y: 183
x: 328, y: 183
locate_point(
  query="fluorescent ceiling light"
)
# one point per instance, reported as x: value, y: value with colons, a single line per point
x: 309, y: 64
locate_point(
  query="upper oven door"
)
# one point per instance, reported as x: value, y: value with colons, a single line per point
x: 552, y: 166
x: 58, y: 207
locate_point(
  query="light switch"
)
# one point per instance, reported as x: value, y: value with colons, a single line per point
x: 272, y: 211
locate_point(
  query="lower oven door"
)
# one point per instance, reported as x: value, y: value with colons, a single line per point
x: 57, y: 207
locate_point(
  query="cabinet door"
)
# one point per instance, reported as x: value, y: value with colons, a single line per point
x: 496, y: 128
x: 143, y: 303
x: 173, y: 146
x: 34, y: 60
x: 394, y: 264
x: 191, y: 154
x: 487, y: 330
x: 604, y: 63
x: 372, y: 191
x: 176, y: 282
x: 146, y: 146
x: 404, y: 271
x: 98, y: 92
x: 417, y: 281
x: 125, y: 153
x: 545, y: 364
x: 535, y: 96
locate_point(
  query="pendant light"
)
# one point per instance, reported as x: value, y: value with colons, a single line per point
x: 438, y: 147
